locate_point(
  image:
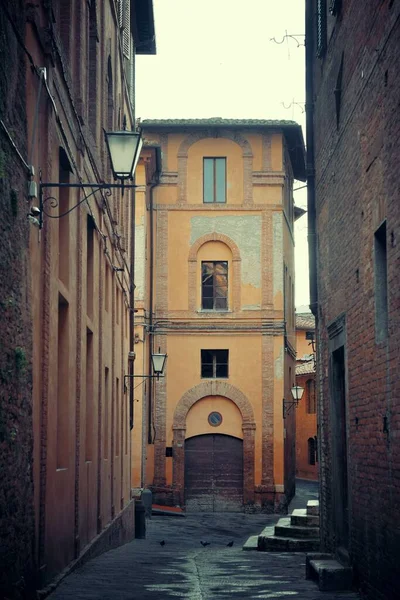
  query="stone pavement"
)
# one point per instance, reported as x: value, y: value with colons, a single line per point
x: 183, y: 568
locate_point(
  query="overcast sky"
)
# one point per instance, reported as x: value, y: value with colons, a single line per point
x: 215, y: 58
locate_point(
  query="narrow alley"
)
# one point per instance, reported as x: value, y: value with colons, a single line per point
x: 184, y: 568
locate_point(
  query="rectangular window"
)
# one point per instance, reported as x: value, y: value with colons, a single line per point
x: 214, y: 364
x: 214, y: 180
x: 214, y: 285
x: 106, y: 410
x: 89, y: 396
x: 89, y: 266
x: 381, y: 299
x: 63, y: 397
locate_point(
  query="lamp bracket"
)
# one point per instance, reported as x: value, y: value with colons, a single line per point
x: 143, y: 377
x: 288, y: 405
x: 53, y: 201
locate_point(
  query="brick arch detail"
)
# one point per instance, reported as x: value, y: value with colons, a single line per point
x: 196, y: 393
x: 236, y: 137
x: 214, y: 237
x: 212, y: 388
x: 235, y: 276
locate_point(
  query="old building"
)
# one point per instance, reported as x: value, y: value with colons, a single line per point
x: 67, y: 274
x: 353, y: 126
x: 215, y: 292
x: 306, y: 411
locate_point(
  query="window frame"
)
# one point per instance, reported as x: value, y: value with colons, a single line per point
x: 214, y: 296
x: 214, y: 179
x: 215, y: 364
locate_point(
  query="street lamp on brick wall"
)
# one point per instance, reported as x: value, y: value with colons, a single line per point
x: 297, y: 394
x: 124, y: 151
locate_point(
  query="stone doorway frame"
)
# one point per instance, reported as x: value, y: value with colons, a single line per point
x: 196, y: 393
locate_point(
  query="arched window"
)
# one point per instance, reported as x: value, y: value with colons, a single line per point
x: 312, y: 451
x: 310, y: 396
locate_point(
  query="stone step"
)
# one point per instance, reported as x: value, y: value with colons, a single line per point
x: 313, y: 507
x: 284, y: 529
x: 328, y: 573
x: 300, y: 517
x: 268, y: 542
x: 251, y: 543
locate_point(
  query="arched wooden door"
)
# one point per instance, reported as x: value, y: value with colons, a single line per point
x: 214, y: 473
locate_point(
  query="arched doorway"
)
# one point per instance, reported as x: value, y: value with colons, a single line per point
x: 214, y: 473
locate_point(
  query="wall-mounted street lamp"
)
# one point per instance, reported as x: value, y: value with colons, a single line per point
x: 158, y: 360
x: 124, y: 151
x: 297, y: 394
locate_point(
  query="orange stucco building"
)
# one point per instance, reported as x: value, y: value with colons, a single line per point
x: 214, y: 275
x: 306, y: 412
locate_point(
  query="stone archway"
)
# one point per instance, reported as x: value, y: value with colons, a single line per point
x: 236, y: 274
x: 236, y: 137
x: 213, y: 388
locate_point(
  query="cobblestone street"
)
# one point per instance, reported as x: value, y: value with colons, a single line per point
x: 183, y: 568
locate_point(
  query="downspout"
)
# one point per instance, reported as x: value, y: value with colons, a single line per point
x: 310, y: 167
x: 132, y: 313
x: 155, y: 182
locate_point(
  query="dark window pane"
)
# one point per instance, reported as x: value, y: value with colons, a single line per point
x: 220, y: 176
x: 208, y: 291
x: 221, y: 303
x: 207, y: 356
x: 206, y: 370
x: 221, y: 356
x: 208, y: 180
x: 222, y: 371
x: 207, y: 303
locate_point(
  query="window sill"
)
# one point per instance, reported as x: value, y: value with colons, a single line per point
x: 214, y: 378
x: 211, y: 311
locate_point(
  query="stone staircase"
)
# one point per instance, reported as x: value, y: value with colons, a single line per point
x: 297, y: 533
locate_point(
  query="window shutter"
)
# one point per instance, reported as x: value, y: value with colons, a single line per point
x: 126, y: 29
x: 131, y: 76
x: 120, y: 12
x: 321, y: 28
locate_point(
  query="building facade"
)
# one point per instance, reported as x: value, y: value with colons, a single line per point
x: 353, y: 126
x: 216, y: 292
x: 306, y: 411
x: 69, y: 411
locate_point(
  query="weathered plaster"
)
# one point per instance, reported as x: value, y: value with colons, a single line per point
x: 245, y: 231
x: 279, y: 364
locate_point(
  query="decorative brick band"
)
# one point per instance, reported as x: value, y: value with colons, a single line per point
x: 214, y: 388
x: 235, y: 275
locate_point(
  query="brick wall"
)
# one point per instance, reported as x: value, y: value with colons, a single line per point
x: 16, y: 487
x: 357, y: 187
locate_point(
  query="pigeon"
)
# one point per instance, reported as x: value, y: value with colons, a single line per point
x: 204, y: 544
x: 230, y: 544
x: 162, y: 543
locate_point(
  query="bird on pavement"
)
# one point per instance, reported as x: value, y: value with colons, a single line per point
x: 162, y: 543
x: 230, y: 544
x: 204, y: 544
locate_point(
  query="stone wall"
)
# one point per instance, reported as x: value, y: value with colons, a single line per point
x: 357, y: 183
x: 16, y: 479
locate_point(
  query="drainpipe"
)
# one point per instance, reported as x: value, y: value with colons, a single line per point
x: 311, y: 212
x: 151, y: 298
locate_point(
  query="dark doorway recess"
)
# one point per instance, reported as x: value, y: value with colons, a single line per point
x: 214, y: 473
x: 339, y: 432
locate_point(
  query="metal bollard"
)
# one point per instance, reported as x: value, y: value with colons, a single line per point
x: 147, y: 499
x: 140, y: 520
